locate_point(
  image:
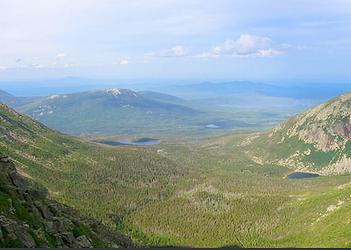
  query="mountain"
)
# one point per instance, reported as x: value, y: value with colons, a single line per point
x: 106, y: 183
x: 29, y: 219
x: 6, y: 97
x: 110, y: 111
x: 161, y: 97
x: 317, y: 140
x: 317, y: 91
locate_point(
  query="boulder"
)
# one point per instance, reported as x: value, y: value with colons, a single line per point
x: 44, y: 210
x: 83, y: 242
x: 62, y: 224
x: 68, y: 238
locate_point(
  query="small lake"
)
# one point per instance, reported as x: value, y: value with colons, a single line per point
x: 302, y: 175
x: 213, y: 126
x: 139, y: 142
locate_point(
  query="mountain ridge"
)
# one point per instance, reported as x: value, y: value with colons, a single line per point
x: 111, y: 111
x: 316, y: 140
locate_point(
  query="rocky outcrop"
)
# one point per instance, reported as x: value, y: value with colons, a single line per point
x: 327, y: 126
x: 29, y: 219
x: 316, y: 140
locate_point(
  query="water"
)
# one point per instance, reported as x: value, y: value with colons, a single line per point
x: 302, y: 175
x: 139, y: 142
x: 212, y: 126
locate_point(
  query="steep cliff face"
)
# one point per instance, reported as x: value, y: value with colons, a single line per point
x: 317, y: 140
x: 29, y: 219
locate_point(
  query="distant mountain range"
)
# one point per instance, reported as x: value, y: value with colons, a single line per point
x: 119, y: 111
x: 191, y: 107
x: 320, y: 91
x: 110, y: 111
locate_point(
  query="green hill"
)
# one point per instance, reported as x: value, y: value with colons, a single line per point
x: 103, y: 182
x: 111, y: 111
x: 317, y: 140
x: 114, y: 112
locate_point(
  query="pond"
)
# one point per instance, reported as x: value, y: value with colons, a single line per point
x: 139, y: 142
x: 302, y: 175
x: 214, y: 126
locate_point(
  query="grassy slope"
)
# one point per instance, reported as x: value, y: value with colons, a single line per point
x: 223, y: 198
x: 228, y: 200
x: 100, y: 181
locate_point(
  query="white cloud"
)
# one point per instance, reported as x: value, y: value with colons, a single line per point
x: 60, y: 55
x: 268, y: 52
x: 207, y: 55
x: 179, y: 51
x: 245, y: 46
x: 124, y: 62
x: 3, y: 68
x: 70, y: 65
x: 176, y: 51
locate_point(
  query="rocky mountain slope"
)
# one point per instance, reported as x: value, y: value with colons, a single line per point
x: 29, y: 219
x: 317, y: 140
x: 106, y: 183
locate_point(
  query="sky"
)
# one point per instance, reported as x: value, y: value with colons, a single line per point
x: 271, y: 40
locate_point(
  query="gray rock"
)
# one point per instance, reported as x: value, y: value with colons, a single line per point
x: 4, y: 159
x: 83, y: 241
x: 62, y: 224
x: 25, y: 238
x: 17, y: 180
x: 54, y: 208
x: 68, y: 238
x: 44, y: 210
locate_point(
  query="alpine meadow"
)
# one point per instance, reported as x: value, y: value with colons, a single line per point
x: 196, y: 124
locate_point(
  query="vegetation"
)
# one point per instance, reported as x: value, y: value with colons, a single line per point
x: 122, y: 111
x: 28, y: 219
x: 212, y: 193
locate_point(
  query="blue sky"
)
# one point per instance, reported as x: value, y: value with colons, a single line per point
x: 269, y: 40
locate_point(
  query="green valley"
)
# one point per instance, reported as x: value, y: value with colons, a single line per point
x: 215, y: 192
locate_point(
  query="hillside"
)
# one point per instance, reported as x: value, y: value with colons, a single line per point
x: 208, y: 194
x: 103, y: 182
x: 6, y: 97
x: 29, y: 219
x: 110, y: 111
x: 317, y: 140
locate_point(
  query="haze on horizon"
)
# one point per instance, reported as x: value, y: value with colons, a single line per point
x: 169, y: 39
